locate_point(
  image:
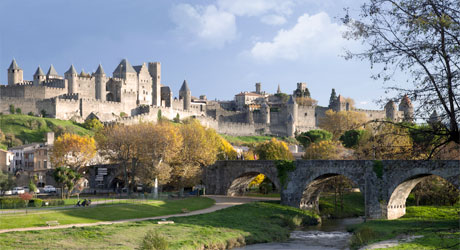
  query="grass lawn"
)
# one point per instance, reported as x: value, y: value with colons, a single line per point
x: 353, y: 205
x: 33, y: 129
x: 439, y: 226
x: 103, y: 213
x: 234, y: 226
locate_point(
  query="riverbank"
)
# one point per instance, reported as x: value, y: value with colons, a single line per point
x: 439, y: 227
x: 250, y: 223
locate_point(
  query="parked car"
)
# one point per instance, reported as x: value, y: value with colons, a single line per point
x: 49, y: 189
x: 26, y: 189
x: 7, y: 192
x: 18, y: 190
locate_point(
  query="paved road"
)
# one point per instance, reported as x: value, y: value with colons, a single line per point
x: 221, y: 203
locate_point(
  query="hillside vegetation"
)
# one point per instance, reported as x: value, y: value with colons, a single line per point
x: 20, y: 129
x: 247, y: 140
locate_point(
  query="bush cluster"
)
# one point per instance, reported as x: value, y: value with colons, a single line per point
x: 16, y: 202
x: 54, y: 202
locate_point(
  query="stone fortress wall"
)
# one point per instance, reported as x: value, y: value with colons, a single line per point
x: 135, y: 93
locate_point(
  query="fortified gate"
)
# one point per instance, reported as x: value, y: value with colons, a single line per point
x: 384, y: 184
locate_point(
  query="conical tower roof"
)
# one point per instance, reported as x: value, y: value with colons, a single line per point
x: 13, y: 65
x: 278, y: 91
x: 83, y: 73
x: 291, y: 100
x: 39, y: 72
x: 100, y: 70
x: 290, y: 118
x: 52, y: 71
x: 124, y: 67
x: 184, y: 87
x: 71, y: 70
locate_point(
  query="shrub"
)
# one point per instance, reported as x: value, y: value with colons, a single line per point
x: 154, y: 241
x: 12, y: 109
x: 18, y: 111
x: 54, y: 202
x: 313, y: 136
x: 30, y: 113
x: 36, y: 202
x: 350, y: 138
x: 12, y: 202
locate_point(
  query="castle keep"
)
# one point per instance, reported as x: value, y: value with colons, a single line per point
x: 135, y: 93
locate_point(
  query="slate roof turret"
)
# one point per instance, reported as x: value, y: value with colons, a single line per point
x: 52, y: 71
x: 13, y: 65
x: 39, y: 72
x: 124, y: 67
x: 100, y: 70
x: 291, y: 100
x: 71, y: 71
x: 184, y: 87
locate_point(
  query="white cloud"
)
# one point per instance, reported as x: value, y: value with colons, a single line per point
x: 363, y: 103
x: 273, y: 19
x: 209, y: 25
x: 256, y: 7
x: 311, y: 35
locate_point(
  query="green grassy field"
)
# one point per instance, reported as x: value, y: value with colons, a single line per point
x: 353, y: 205
x: 105, y: 212
x: 244, y: 224
x: 438, y: 225
x: 33, y: 129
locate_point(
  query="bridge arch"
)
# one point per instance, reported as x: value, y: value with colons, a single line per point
x: 401, y: 188
x: 239, y: 185
x: 314, y: 187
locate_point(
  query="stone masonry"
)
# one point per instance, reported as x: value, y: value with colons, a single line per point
x: 385, y: 185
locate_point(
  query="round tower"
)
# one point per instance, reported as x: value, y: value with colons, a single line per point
x: 265, y: 111
x: 185, y: 95
x: 290, y: 129
x: 101, y: 80
x: 39, y: 76
x: 406, y: 106
x: 292, y: 108
x: 390, y: 111
x: 71, y: 75
x: 15, y: 74
x: 249, y: 116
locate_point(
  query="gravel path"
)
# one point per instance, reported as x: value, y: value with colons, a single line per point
x: 221, y: 203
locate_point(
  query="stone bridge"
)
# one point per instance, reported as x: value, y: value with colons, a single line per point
x: 384, y: 184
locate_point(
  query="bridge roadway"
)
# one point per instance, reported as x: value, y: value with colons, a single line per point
x: 385, y: 184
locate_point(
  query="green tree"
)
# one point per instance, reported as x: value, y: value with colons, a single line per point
x: 351, y: 138
x: 419, y: 38
x: 12, y: 109
x: 7, y: 181
x: 32, y: 187
x: 312, y: 136
x: 18, y: 111
x: 273, y: 150
x: 93, y: 124
x: 66, y: 178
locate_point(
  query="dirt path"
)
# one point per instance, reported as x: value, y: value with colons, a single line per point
x: 221, y: 203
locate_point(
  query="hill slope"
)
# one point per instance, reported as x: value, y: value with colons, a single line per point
x: 30, y: 129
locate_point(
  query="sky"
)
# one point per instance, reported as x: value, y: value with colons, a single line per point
x: 220, y: 47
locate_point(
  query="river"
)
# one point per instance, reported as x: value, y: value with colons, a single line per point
x: 330, y: 235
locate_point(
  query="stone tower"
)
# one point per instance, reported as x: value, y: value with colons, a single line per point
x: 290, y: 128
x: 155, y: 73
x: 39, y: 76
x: 278, y: 91
x: 101, y: 80
x: 185, y: 95
x: 265, y: 112
x: 406, y: 106
x: 71, y: 75
x: 390, y: 111
x: 126, y: 72
x: 258, y: 88
x: 15, y: 74
x: 249, y: 116
x: 332, y: 99
x: 292, y: 115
